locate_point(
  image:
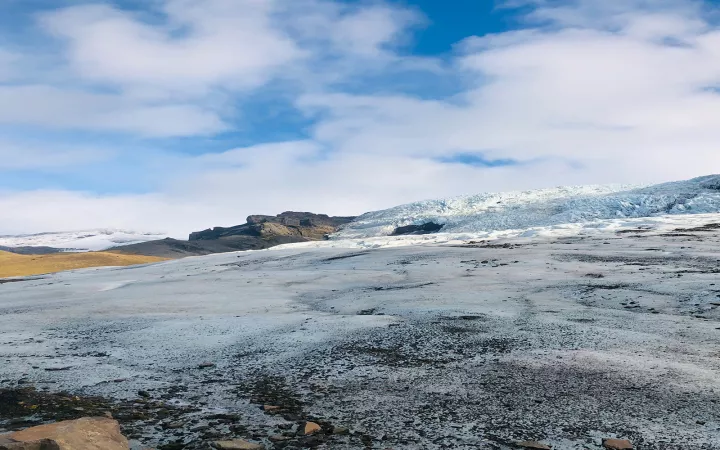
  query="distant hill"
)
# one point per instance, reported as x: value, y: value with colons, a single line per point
x: 259, y: 232
x: 30, y: 250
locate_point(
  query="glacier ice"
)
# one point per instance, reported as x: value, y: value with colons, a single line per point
x: 542, y: 208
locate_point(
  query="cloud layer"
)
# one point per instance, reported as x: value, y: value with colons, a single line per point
x: 579, y: 92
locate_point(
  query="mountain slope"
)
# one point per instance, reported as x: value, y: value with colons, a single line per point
x: 540, y: 208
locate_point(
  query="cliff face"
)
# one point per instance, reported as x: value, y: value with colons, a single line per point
x: 288, y: 226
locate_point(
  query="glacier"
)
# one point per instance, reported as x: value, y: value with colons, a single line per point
x: 490, y: 212
x: 81, y: 241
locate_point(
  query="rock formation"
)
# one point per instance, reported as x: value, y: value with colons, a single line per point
x: 301, y: 225
x: 258, y: 233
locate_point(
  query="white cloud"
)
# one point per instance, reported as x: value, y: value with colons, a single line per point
x: 184, y: 68
x: 592, y: 91
x: 200, y: 45
x: 53, y: 107
x: 14, y: 156
x: 622, y: 104
x: 8, y: 60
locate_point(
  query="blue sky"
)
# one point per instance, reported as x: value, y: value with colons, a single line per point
x: 174, y: 115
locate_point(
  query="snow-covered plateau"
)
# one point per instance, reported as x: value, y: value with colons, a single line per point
x: 564, y: 335
x: 80, y: 241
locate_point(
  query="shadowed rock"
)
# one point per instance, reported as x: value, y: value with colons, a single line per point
x: 426, y: 228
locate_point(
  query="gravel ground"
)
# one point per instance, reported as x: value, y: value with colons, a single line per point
x: 480, y: 345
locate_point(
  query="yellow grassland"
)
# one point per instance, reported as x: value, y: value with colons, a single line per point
x: 14, y: 265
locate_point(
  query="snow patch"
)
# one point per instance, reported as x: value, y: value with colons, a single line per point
x: 81, y: 241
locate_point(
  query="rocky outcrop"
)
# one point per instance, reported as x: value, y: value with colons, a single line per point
x: 260, y: 232
x: 303, y: 226
x: 87, y: 433
x: 426, y: 228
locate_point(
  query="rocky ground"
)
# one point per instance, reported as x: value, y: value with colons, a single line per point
x: 480, y: 345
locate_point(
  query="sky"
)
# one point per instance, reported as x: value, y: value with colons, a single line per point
x: 178, y: 115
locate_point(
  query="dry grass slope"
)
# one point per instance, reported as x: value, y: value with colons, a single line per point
x: 13, y: 265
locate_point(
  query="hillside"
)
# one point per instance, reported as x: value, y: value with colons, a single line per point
x: 14, y: 265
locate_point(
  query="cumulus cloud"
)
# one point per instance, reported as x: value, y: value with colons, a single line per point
x: 15, y: 156
x: 587, y: 91
x: 196, y: 46
x: 60, y: 108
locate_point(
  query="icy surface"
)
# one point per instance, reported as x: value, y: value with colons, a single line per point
x: 587, y: 228
x: 563, y: 338
x: 543, y: 208
x: 80, y: 241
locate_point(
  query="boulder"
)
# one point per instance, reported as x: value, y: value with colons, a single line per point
x: 311, y: 428
x: 89, y: 433
x: 617, y: 444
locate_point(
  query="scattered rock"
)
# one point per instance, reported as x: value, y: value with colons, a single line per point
x: 270, y: 408
x: 617, y: 444
x: 238, y: 444
x: 311, y: 428
x: 86, y: 433
x: 57, y: 369
x: 206, y: 365
x: 533, y: 444
x: 279, y: 438
x: 144, y: 394
x: 341, y: 430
